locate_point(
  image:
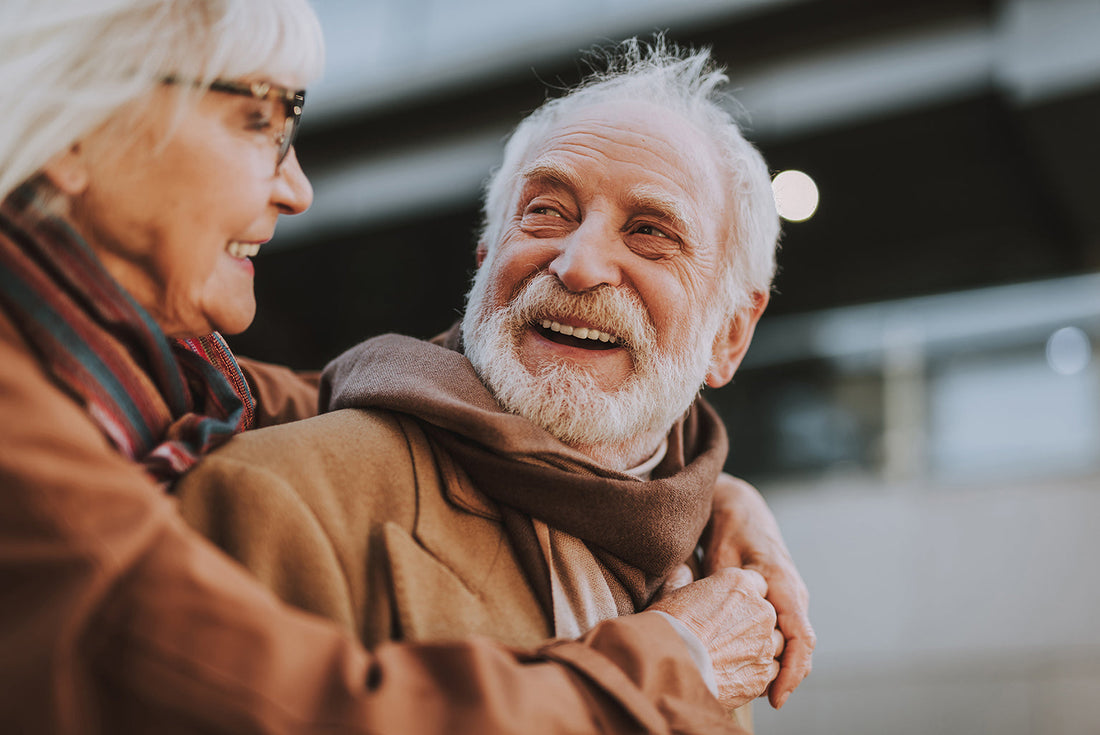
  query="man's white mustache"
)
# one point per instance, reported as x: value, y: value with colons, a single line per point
x: 612, y: 310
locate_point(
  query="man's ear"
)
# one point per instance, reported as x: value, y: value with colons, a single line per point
x: 733, y: 339
x: 68, y: 171
x: 482, y: 251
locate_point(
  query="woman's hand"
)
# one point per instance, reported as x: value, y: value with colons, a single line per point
x: 743, y: 533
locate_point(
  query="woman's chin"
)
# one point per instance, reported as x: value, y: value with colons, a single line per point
x: 236, y: 323
x: 229, y: 305
x: 226, y: 319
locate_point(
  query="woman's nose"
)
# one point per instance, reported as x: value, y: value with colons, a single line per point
x: 293, y: 193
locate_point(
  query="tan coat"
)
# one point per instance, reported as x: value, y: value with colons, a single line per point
x: 351, y: 516
x: 115, y: 617
x: 356, y: 516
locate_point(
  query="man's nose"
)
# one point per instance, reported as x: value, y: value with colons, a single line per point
x: 588, y: 257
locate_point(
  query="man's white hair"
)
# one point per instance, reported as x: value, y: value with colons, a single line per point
x: 685, y: 82
x: 69, y: 66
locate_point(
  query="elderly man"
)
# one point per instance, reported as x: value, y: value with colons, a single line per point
x: 548, y: 465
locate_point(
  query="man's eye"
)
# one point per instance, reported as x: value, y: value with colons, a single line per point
x: 651, y: 230
x: 550, y: 211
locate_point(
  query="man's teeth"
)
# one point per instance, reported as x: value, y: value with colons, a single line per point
x: 242, y: 249
x: 579, y: 332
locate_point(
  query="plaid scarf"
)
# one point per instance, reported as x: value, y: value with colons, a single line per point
x: 162, y: 402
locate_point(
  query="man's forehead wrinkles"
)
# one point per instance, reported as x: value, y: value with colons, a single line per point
x: 559, y: 164
x: 617, y: 138
x: 553, y: 161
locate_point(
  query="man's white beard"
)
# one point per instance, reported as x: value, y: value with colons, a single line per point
x: 566, y: 399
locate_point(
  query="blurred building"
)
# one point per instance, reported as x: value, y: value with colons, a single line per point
x: 921, y: 404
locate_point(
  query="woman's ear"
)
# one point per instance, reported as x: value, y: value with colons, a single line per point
x: 733, y: 339
x: 481, y: 252
x: 68, y: 171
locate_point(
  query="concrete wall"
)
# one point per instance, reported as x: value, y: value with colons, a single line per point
x: 964, y: 609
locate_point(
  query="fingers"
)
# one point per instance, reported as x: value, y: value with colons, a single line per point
x: 796, y: 660
x: 778, y: 642
x: 788, y: 593
x: 773, y: 670
x: 742, y: 530
x: 744, y: 641
x: 751, y: 579
x: 729, y: 614
x: 787, y: 590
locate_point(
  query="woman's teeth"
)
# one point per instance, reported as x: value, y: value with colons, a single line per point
x: 579, y: 332
x: 242, y: 249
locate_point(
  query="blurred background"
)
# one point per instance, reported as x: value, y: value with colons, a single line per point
x: 921, y: 405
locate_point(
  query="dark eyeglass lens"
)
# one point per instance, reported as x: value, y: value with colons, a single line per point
x: 290, y: 127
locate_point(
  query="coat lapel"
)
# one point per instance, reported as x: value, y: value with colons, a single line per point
x: 455, y: 573
x: 435, y: 601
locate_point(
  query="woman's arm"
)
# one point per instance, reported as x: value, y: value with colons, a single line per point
x: 281, y: 394
x: 114, y: 617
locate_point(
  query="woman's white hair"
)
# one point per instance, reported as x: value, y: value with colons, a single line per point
x: 69, y: 66
x: 686, y: 82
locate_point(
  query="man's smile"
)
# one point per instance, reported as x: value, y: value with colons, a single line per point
x: 588, y: 338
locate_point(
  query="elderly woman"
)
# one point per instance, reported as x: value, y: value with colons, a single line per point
x: 145, y: 155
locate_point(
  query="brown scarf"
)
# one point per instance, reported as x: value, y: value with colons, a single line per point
x: 640, y: 530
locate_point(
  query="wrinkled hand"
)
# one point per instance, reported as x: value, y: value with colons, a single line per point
x: 728, y: 613
x: 743, y: 533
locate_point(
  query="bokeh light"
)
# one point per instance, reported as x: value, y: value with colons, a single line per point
x: 796, y: 195
x: 1068, y: 351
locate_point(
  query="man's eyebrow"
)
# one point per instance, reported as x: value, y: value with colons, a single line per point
x: 663, y: 205
x: 550, y: 173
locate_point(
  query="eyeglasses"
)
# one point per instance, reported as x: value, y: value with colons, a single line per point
x: 293, y: 101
